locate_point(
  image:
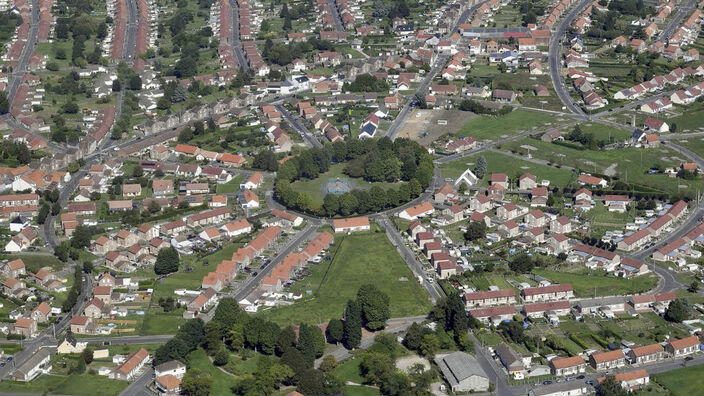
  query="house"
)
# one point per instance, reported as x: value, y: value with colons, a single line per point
x: 567, y: 366
x: 70, y: 345
x: 249, y: 200
x: 446, y: 193
x: 468, y: 178
x: 489, y: 298
x: 480, y: 203
x: 511, y: 360
x: 168, y: 384
x: 253, y: 182
x: 493, y: 315
x: 646, y: 354
x: 131, y: 366
x: 561, y: 225
x: 617, y: 203
x: 80, y: 324
x: 589, y: 180
x: 537, y: 310
x: 13, y: 269
x: 574, y: 388
x: 237, y: 227
x: 539, y: 196
x: 173, y: 367
x: 499, y: 179
x: 607, y: 360
x: 421, y: 210
x: 351, y: 225
x: 41, y: 313
x: 527, y: 181
x: 547, y: 293
x: 462, y: 372
x: 131, y: 190
x: 683, y: 347
x: 656, y: 125
x: 535, y: 218
x: 37, y: 364
x: 632, y: 380
x: 26, y: 327
x: 162, y: 188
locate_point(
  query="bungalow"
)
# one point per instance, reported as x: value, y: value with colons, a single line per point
x: 421, y: 210
x: 567, y: 366
x: 607, y: 360
x: 589, y: 180
x: 547, y: 293
x: 237, y: 227
x: 249, y: 200
x: 646, y: 354
x: 538, y: 310
x: 253, y: 182
x: 351, y: 225
x: 631, y: 381
x: 683, y: 347
x: 131, y: 366
x: 493, y: 315
x: 489, y: 298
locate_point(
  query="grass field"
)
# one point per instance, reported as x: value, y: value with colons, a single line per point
x: 682, y: 382
x: 591, y: 285
x: 358, y: 259
x: 34, y: 262
x: 349, y: 371
x: 86, y: 384
x: 501, y: 163
x: 691, y: 120
x: 315, y: 187
x: 514, y: 123
x: 232, y: 186
x: 629, y: 164
x: 222, y: 382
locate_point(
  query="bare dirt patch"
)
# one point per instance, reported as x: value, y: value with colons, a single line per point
x: 422, y: 125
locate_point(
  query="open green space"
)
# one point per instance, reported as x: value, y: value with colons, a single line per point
x: 86, y: 384
x: 358, y: 259
x: 232, y: 186
x: 595, y: 284
x: 317, y: 188
x: 630, y: 165
x: 349, y: 371
x: 682, y: 382
x: 222, y: 382
x: 502, y: 163
x: 34, y: 262
x: 516, y: 122
x: 691, y: 120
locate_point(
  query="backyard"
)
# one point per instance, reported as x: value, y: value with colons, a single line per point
x: 595, y: 284
x: 357, y: 259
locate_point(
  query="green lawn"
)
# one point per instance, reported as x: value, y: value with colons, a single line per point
x: 587, y: 284
x: 86, y: 384
x: 34, y: 262
x: 682, y: 382
x: 316, y: 187
x: 631, y: 165
x: 222, y: 382
x: 232, y: 186
x: 349, y: 371
x: 514, y: 123
x: 691, y: 120
x: 513, y: 167
x: 358, y: 259
x: 353, y: 390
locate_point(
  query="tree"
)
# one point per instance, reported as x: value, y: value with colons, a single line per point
x: 475, y: 230
x: 294, y: 359
x: 306, y: 344
x: 70, y: 107
x: 374, y: 305
x: 694, y: 287
x: 611, y: 387
x: 43, y: 213
x: 196, y: 383
x: 167, y: 261
x: 679, y: 310
x: 480, y: 167
x: 4, y: 103
x: 334, y: 331
x: 87, y: 355
x: 116, y: 86
x: 222, y: 357
x: 455, y: 314
x: 81, y: 237
x: 134, y: 83
x: 311, y: 382
x: 522, y: 263
x: 328, y: 364
x: 352, y: 329
x: 286, y: 340
x: 513, y: 330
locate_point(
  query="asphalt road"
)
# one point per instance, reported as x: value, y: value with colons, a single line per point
x: 555, y: 57
x: 336, y: 18
x: 682, y: 12
x: 235, y: 39
x: 21, y: 68
x: 305, y: 134
x: 130, y: 44
x: 139, y: 386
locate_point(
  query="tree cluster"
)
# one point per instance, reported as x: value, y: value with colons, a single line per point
x: 167, y: 261
x: 75, y: 290
x: 372, y: 160
x: 478, y: 108
x: 366, y: 83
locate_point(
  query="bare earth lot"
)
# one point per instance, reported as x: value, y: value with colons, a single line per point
x: 422, y: 126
